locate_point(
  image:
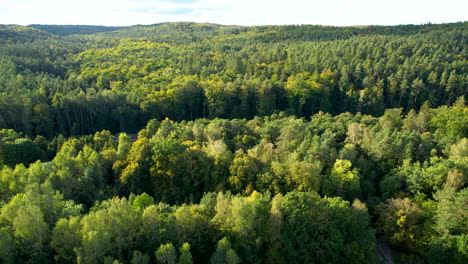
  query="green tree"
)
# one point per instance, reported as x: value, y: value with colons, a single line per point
x: 142, y: 201
x: 43, y: 120
x: 401, y: 220
x: 139, y: 258
x: 185, y: 255
x: 243, y: 171
x: 110, y: 229
x: 316, y: 230
x: 300, y: 89
x: 343, y: 181
x: 166, y: 254
x: 7, y: 246
x: 451, y: 216
x: 31, y: 230
x: 133, y: 171
x: 224, y: 253
x: 66, y: 236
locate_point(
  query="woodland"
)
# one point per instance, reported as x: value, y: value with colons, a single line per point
x: 204, y: 143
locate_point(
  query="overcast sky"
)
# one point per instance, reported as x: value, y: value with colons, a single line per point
x: 232, y: 12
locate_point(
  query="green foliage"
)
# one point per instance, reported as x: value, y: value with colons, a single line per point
x: 139, y: 258
x: 110, y: 230
x: 142, y: 201
x: 185, y: 255
x: 64, y: 30
x: 448, y: 248
x: 451, y: 216
x: 133, y: 170
x: 120, y: 80
x: 343, y: 181
x: 15, y: 149
x: 224, y: 253
x: 243, y: 171
x: 106, y: 155
x: 312, y: 226
x: 166, y: 254
x: 65, y: 238
x: 401, y: 220
x: 7, y: 246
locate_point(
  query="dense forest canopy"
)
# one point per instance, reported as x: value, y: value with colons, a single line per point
x: 205, y: 143
x: 119, y: 80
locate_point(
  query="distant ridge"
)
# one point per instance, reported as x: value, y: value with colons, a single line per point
x: 65, y: 30
x: 190, y: 32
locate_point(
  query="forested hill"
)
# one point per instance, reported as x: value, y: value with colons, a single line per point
x: 65, y: 30
x: 18, y: 34
x: 119, y: 80
x: 189, y: 32
x: 265, y: 144
x: 274, y: 33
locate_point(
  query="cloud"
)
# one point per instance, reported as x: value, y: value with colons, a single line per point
x: 164, y: 11
x: 184, y: 1
x: 240, y: 12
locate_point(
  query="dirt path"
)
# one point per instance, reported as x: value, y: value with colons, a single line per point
x: 383, y: 251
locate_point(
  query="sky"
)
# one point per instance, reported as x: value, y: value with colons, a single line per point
x: 232, y: 12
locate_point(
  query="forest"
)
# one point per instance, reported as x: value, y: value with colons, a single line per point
x: 204, y: 143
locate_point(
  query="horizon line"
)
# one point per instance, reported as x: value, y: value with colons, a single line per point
x: 236, y: 25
